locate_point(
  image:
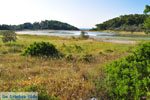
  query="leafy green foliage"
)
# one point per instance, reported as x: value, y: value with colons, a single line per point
x: 147, y: 21
x: 9, y: 36
x: 41, y: 49
x: 147, y: 9
x: 129, y: 78
x: 47, y: 24
x: 123, y: 23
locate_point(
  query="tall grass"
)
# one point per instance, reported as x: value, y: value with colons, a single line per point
x: 62, y: 78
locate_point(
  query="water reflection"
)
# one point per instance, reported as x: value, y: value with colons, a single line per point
x: 77, y: 33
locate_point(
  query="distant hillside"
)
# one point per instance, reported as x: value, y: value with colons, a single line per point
x: 123, y: 23
x: 85, y: 29
x: 47, y: 24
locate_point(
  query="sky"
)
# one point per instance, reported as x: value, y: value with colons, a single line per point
x: 79, y: 13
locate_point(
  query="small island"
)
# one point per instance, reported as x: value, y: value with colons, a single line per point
x: 127, y: 23
x: 47, y: 24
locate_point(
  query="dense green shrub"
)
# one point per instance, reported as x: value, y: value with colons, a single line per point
x: 9, y: 36
x: 129, y: 78
x: 41, y: 49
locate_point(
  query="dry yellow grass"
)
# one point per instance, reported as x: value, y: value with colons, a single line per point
x: 67, y: 80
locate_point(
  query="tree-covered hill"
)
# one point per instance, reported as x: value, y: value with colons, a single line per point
x: 132, y: 22
x: 47, y: 24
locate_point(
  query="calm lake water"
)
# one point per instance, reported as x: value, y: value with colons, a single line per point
x: 77, y: 33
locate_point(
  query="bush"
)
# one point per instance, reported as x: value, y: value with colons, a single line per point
x: 84, y: 35
x: 129, y: 78
x: 41, y: 49
x: 108, y: 51
x: 4, y: 52
x: 9, y: 36
x: 86, y: 58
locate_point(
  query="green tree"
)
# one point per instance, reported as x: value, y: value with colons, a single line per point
x: 9, y: 36
x: 147, y: 21
x: 147, y: 9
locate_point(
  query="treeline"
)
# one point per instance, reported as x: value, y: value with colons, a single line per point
x: 47, y: 24
x: 132, y: 22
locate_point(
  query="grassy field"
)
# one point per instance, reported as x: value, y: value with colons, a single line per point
x: 77, y: 75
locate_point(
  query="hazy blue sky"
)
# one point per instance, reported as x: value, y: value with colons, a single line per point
x: 80, y: 13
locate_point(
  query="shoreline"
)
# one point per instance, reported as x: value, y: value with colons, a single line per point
x: 120, y: 41
x: 104, y: 31
x: 120, y: 32
x: 119, y: 36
